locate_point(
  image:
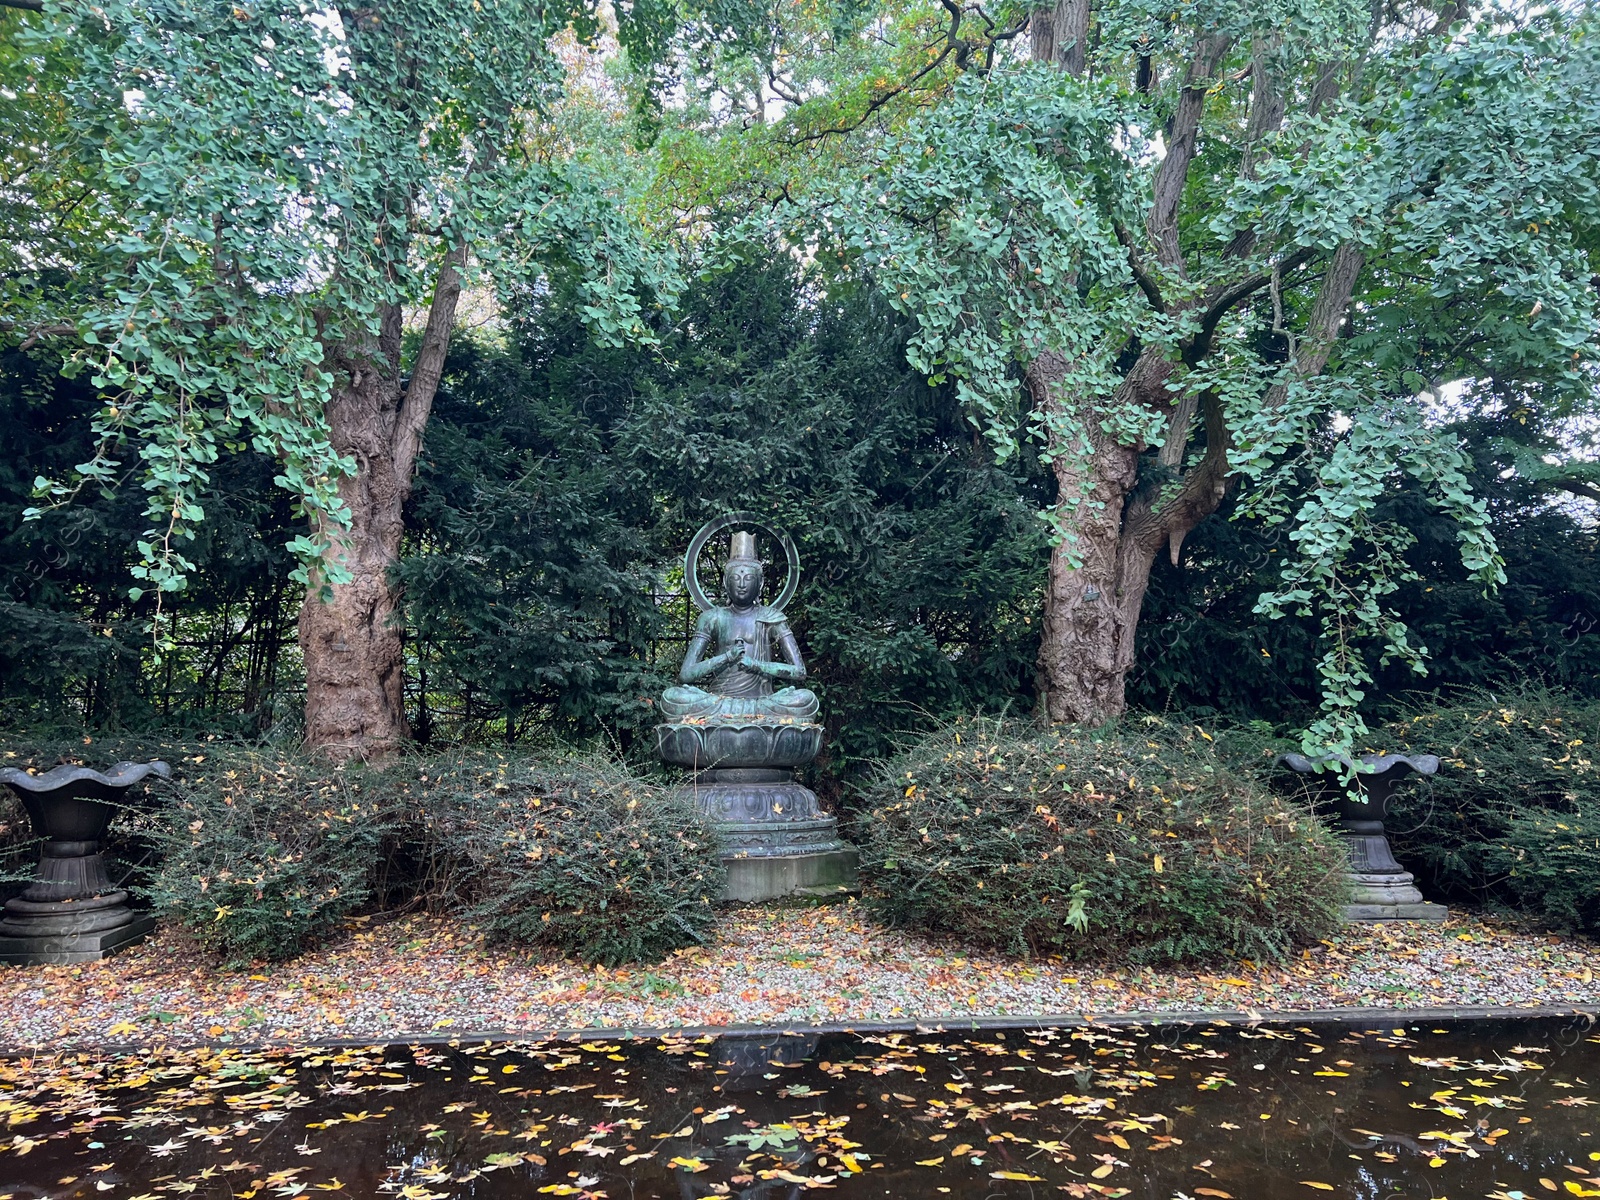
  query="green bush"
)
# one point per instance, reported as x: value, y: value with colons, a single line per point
x: 1513, y: 817
x: 262, y: 856
x: 1132, y: 841
x: 266, y: 855
x: 576, y: 854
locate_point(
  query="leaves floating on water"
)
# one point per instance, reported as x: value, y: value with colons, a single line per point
x: 1084, y: 1112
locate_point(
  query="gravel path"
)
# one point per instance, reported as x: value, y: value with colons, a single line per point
x: 422, y: 975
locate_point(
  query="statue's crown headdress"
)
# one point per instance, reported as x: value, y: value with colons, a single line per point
x: 743, y: 548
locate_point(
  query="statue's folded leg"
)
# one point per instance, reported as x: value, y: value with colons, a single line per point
x: 798, y: 703
x: 683, y: 702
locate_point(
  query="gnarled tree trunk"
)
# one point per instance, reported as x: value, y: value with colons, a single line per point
x: 350, y: 638
x: 1116, y: 525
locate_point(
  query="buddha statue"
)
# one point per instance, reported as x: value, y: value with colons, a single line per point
x: 743, y: 664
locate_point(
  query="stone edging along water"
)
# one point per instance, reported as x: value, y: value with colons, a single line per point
x: 1589, y: 1014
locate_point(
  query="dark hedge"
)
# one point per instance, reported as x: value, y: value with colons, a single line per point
x: 1512, y: 819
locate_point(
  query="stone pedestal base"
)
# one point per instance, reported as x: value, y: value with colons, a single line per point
x: 831, y: 873
x: 776, y: 839
x: 1380, y: 888
x: 40, y: 949
x: 1395, y: 912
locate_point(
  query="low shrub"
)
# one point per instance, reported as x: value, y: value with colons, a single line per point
x: 576, y: 854
x: 263, y: 856
x: 1131, y: 841
x: 261, y: 852
x: 1513, y: 817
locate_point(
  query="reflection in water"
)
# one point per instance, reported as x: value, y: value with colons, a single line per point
x: 1503, y: 1110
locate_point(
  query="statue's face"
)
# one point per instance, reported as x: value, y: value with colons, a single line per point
x: 743, y: 581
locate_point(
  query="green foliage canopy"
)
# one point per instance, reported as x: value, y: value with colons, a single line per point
x: 1196, y: 188
x: 217, y: 195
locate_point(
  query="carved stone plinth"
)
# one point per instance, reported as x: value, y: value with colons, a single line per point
x: 777, y: 841
x: 1380, y: 888
x: 70, y: 912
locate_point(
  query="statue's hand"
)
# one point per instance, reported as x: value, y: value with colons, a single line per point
x: 754, y: 665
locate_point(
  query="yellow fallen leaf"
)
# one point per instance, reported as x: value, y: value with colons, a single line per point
x: 1017, y: 1175
x: 689, y: 1164
x: 1577, y: 1189
x: 1321, y: 1187
x: 850, y: 1163
x: 1217, y: 1192
x: 1101, y: 1171
x: 1436, y: 1161
x: 930, y: 1162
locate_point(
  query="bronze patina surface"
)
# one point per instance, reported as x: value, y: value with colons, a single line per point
x: 740, y: 720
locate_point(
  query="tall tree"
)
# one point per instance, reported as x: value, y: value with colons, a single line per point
x: 1208, y: 241
x: 240, y: 212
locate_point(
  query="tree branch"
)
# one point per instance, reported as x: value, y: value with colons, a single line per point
x: 1181, y: 142
x: 1577, y: 487
x: 884, y: 98
x: 1221, y: 299
x: 425, y: 375
x: 1146, y: 281
x: 31, y: 338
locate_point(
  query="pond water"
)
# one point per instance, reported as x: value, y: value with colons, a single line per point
x: 1501, y: 1109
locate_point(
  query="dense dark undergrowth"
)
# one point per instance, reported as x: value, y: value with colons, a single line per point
x: 1512, y: 820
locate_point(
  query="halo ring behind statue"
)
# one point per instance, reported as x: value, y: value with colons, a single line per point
x: 691, y: 558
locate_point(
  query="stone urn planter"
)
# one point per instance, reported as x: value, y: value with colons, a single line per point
x: 70, y: 912
x: 1381, y: 889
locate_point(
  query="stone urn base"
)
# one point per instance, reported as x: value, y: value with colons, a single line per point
x: 1380, y: 888
x: 37, y: 948
x: 777, y: 841
x: 71, y: 913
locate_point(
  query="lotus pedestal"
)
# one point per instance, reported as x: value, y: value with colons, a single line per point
x: 71, y: 913
x: 777, y: 841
